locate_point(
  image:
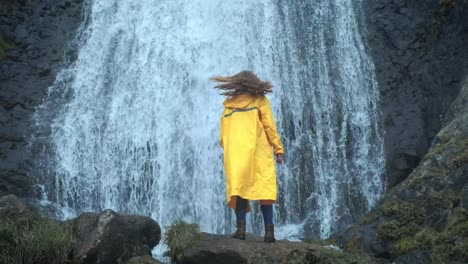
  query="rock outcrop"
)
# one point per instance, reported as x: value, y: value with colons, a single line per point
x: 11, y: 206
x: 217, y: 249
x: 107, y: 237
x: 35, y: 41
x: 425, y: 217
x: 92, y: 238
x: 420, y: 52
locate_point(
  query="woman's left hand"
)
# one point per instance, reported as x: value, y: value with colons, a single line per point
x: 279, y: 158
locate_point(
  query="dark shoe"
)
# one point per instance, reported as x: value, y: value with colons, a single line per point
x: 269, y: 234
x: 240, y: 232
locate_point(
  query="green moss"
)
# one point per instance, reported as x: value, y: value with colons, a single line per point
x: 461, y: 159
x: 300, y: 257
x: 323, y: 242
x: 440, y: 199
x: 256, y: 257
x: 435, y: 172
x: 35, y: 241
x: 391, y: 230
x: 389, y: 208
x: 426, y: 237
x: 405, y: 212
x: 5, y: 45
x: 451, y: 244
x: 370, y: 218
x: 331, y: 256
x: 404, y: 245
x: 445, y: 141
x: 181, y: 236
x: 415, y: 181
x: 407, y: 218
x: 353, y: 245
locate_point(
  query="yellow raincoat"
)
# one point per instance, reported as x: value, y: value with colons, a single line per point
x: 248, y: 136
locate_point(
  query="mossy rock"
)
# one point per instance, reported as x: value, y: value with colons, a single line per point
x: 404, y: 211
x: 181, y: 236
x: 461, y: 159
x: 332, y: 256
x: 404, y: 246
x: 256, y: 257
x: 368, y: 219
x: 452, y: 244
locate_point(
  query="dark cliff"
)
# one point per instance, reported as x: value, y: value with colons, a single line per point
x: 36, y: 39
x: 420, y: 51
x: 424, y: 219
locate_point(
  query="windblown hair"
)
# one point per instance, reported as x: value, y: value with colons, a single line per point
x: 242, y: 82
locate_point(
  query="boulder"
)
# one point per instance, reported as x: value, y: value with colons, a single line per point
x: 12, y: 207
x: 108, y: 237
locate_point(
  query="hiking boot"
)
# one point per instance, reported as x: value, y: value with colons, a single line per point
x: 240, y: 232
x: 269, y: 234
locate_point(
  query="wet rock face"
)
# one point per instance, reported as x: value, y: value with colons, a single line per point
x: 35, y: 41
x: 425, y: 217
x: 108, y: 237
x: 421, y: 57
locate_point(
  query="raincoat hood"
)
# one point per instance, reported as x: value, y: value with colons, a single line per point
x: 239, y: 101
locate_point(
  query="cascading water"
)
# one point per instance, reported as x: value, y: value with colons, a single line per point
x: 133, y: 124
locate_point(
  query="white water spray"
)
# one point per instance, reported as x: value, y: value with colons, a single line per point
x: 136, y: 122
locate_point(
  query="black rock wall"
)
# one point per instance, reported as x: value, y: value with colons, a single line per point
x: 420, y: 51
x: 35, y: 41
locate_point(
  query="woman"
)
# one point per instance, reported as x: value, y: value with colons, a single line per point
x: 248, y: 136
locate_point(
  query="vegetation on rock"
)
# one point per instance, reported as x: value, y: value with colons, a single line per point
x: 332, y: 256
x: 181, y: 236
x: 5, y: 44
x: 35, y: 240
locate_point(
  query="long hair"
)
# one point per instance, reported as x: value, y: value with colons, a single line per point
x: 242, y: 82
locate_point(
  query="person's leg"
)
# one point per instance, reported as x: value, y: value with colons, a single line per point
x: 241, y: 211
x: 267, y: 212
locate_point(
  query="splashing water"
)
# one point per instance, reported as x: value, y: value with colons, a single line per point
x: 133, y: 123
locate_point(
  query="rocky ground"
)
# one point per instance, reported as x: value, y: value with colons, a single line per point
x: 109, y: 238
x: 224, y: 249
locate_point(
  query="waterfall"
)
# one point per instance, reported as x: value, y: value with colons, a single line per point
x: 133, y: 123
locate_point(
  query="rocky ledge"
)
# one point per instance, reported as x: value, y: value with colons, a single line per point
x: 214, y: 249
